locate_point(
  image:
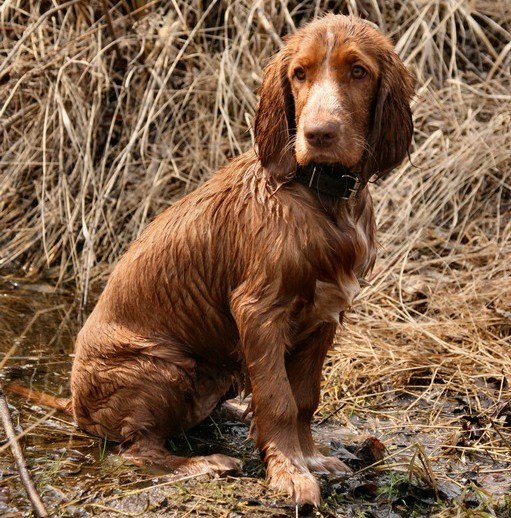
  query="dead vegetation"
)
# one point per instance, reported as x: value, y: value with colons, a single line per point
x: 106, y: 117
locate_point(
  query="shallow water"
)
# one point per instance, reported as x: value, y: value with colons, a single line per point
x: 42, y: 326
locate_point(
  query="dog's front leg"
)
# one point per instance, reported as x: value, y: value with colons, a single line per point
x: 264, y: 333
x: 304, y: 366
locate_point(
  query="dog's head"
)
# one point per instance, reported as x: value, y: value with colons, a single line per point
x: 336, y: 93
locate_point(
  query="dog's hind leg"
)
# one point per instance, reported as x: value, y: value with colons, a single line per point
x: 149, y: 451
x: 142, y: 401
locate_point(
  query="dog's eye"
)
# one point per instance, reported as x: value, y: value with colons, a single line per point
x: 358, y: 72
x: 299, y: 74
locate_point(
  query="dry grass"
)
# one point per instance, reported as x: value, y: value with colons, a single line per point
x: 428, y: 349
x: 106, y: 119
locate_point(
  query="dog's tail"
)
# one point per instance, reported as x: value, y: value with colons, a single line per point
x: 39, y: 398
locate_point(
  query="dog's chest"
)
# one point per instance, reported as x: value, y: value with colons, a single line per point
x: 331, y: 299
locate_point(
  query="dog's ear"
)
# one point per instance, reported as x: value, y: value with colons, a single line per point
x: 274, y: 124
x: 392, y: 126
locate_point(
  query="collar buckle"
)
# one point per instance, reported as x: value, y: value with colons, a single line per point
x: 330, y: 180
x: 352, y: 191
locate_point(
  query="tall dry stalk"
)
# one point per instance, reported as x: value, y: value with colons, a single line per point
x: 107, y: 117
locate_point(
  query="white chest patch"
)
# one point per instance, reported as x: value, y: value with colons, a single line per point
x: 331, y: 299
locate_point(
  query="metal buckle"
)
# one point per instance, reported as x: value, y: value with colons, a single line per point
x: 353, y: 190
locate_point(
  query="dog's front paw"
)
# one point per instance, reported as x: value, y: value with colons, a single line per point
x: 330, y: 465
x: 298, y: 483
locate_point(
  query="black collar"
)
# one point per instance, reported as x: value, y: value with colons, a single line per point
x: 333, y: 180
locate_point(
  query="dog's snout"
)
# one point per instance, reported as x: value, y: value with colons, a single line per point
x: 321, y: 134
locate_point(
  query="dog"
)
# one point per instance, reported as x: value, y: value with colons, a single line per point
x: 242, y: 283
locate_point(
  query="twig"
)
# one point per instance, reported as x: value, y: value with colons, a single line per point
x: 30, y: 428
x: 428, y: 469
x: 28, y: 483
x: 111, y: 29
x: 331, y: 414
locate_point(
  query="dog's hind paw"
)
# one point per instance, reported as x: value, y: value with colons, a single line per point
x: 216, y: 464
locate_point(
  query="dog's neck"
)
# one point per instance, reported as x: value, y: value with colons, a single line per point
x: 333, y: 181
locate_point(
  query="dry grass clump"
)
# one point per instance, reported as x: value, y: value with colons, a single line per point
x: 108, y: 116
x: 441, y: 290
x: 428, y: 348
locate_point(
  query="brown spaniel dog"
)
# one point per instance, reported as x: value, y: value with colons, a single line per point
x: 243, y: 282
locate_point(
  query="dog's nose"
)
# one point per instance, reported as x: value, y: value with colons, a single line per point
x: 320, y: 134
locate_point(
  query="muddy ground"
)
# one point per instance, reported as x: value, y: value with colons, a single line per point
x: 425, y: 471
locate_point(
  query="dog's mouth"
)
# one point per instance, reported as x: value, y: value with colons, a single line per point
x: 347, y: 154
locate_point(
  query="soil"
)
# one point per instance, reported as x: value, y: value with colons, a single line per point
x: 399, y: 470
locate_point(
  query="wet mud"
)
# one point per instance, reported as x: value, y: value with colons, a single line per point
x: 397, y: 471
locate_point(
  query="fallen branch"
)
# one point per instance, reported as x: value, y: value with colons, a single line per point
x: 35, y: 499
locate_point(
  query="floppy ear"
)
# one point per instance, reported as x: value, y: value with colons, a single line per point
x: 274, y: 121
x: 392, y: 127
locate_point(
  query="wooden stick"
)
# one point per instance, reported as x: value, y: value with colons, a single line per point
x: 28, y: 483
